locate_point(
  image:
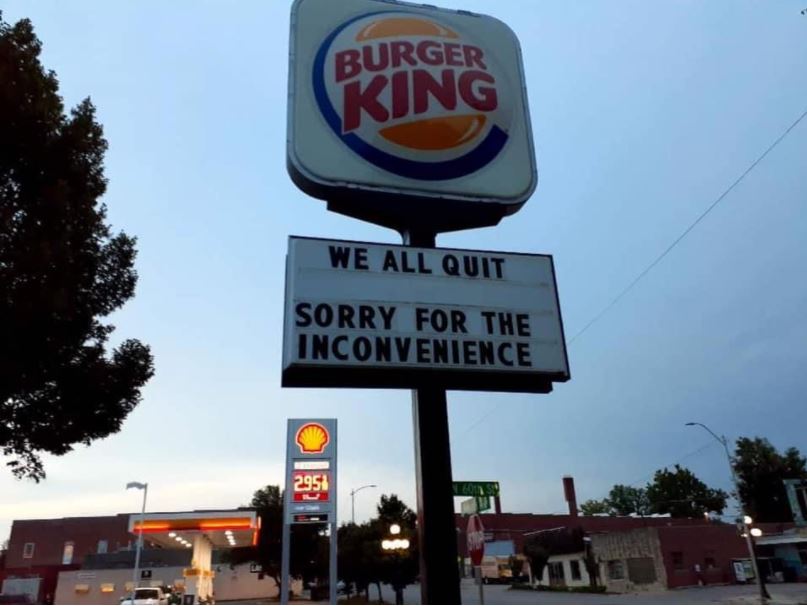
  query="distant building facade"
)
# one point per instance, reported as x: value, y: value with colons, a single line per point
x: 38, y: 550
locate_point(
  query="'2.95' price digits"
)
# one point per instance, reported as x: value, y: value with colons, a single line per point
x: 310, y: 481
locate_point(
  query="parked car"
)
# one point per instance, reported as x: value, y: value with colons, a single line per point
x: 146, y: 595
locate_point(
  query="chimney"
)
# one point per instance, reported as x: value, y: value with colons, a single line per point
x: 569, y: 495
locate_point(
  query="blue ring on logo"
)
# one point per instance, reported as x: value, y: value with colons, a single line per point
x: 475, y: 159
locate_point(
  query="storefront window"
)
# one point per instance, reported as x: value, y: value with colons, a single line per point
x: 67, y: 553
x: 616, y: 570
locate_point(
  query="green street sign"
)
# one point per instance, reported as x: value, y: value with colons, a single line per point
x: 476, y: 489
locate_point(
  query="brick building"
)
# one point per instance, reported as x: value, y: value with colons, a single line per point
x: 631, y: 553
x: 39, y: 549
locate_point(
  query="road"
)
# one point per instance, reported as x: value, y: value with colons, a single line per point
x: 785, y: 593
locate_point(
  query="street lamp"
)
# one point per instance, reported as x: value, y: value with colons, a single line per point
x: 763, y: 593
x: 398, y: 547
x: 136, y: 571
x: 353, y: 500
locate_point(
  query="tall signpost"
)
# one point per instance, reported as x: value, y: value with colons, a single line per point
x: 310, y: 495
x: 415, y: 118
x: 475, y: 536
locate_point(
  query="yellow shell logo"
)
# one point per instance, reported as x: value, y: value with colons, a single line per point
x: 312, y: 438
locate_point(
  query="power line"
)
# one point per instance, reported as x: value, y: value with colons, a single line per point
x: 697, y: 451
x: 675, y: 242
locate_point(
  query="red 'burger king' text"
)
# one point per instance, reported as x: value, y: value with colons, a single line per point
x: 465, y: 76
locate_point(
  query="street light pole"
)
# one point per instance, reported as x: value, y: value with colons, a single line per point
x: 353, y: 500
x: 763, y: 592
x: 145, y: 488
x: 396, y: 546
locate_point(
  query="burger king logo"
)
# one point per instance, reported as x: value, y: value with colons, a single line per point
x: 412, y: 95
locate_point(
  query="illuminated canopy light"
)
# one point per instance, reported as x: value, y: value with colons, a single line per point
x: 172, y: 534
x: 385, y: 544
x: 191, y: 524
x: 756, y: 532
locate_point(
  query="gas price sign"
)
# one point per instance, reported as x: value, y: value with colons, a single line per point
x: 310, y: 486
x: 310, y: 471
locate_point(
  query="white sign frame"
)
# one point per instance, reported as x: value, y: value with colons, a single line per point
x: 520, y: 295
x: 324, y: 166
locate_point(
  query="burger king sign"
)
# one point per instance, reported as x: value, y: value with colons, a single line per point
x: 407, y: 115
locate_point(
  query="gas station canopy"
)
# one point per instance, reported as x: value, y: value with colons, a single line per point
x: 224, y: 529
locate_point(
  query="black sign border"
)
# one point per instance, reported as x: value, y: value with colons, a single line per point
x: 420, y: 378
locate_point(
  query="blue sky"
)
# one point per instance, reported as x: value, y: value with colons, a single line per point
x: 643, y: 113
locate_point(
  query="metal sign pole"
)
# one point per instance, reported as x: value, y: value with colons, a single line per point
x: 333, y: 524
x: 285, y: 549
x: 284, y: 563
x: 439, y: 573
x: 481, y: 583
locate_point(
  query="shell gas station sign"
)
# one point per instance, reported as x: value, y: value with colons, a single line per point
x: 396, y: 110
x: 310, y: 495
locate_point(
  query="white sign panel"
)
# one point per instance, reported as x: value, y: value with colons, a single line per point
x: 391, y: 99
x: 372, y: 315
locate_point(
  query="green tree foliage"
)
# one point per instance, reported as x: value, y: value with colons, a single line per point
x: 537, y: 555
x: 595, y: 507
x: 307, y: 556
x: 62, y: 270
x: 359, y: 557
x: 622, y: 500
x: 391, y: 510
x: 760, y: 471
x: 362, y: 561
x: 398, y: 568
x: 516, y: 565
x: 626, y: 500
x: 682, y: 495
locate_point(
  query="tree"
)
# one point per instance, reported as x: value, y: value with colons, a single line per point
x: 682, y: 495
x: 627, y: 500
x: 516, y: 566
x: 399, y: 568
x: 761, y: 470
x: 362, y: 561
x: 62, y: 271
x: 594, y: 507
x: 358, y: 558
x: 268, y: 504
x: 537, y: 555
x: 391, y: 510
x: 306, y: 540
